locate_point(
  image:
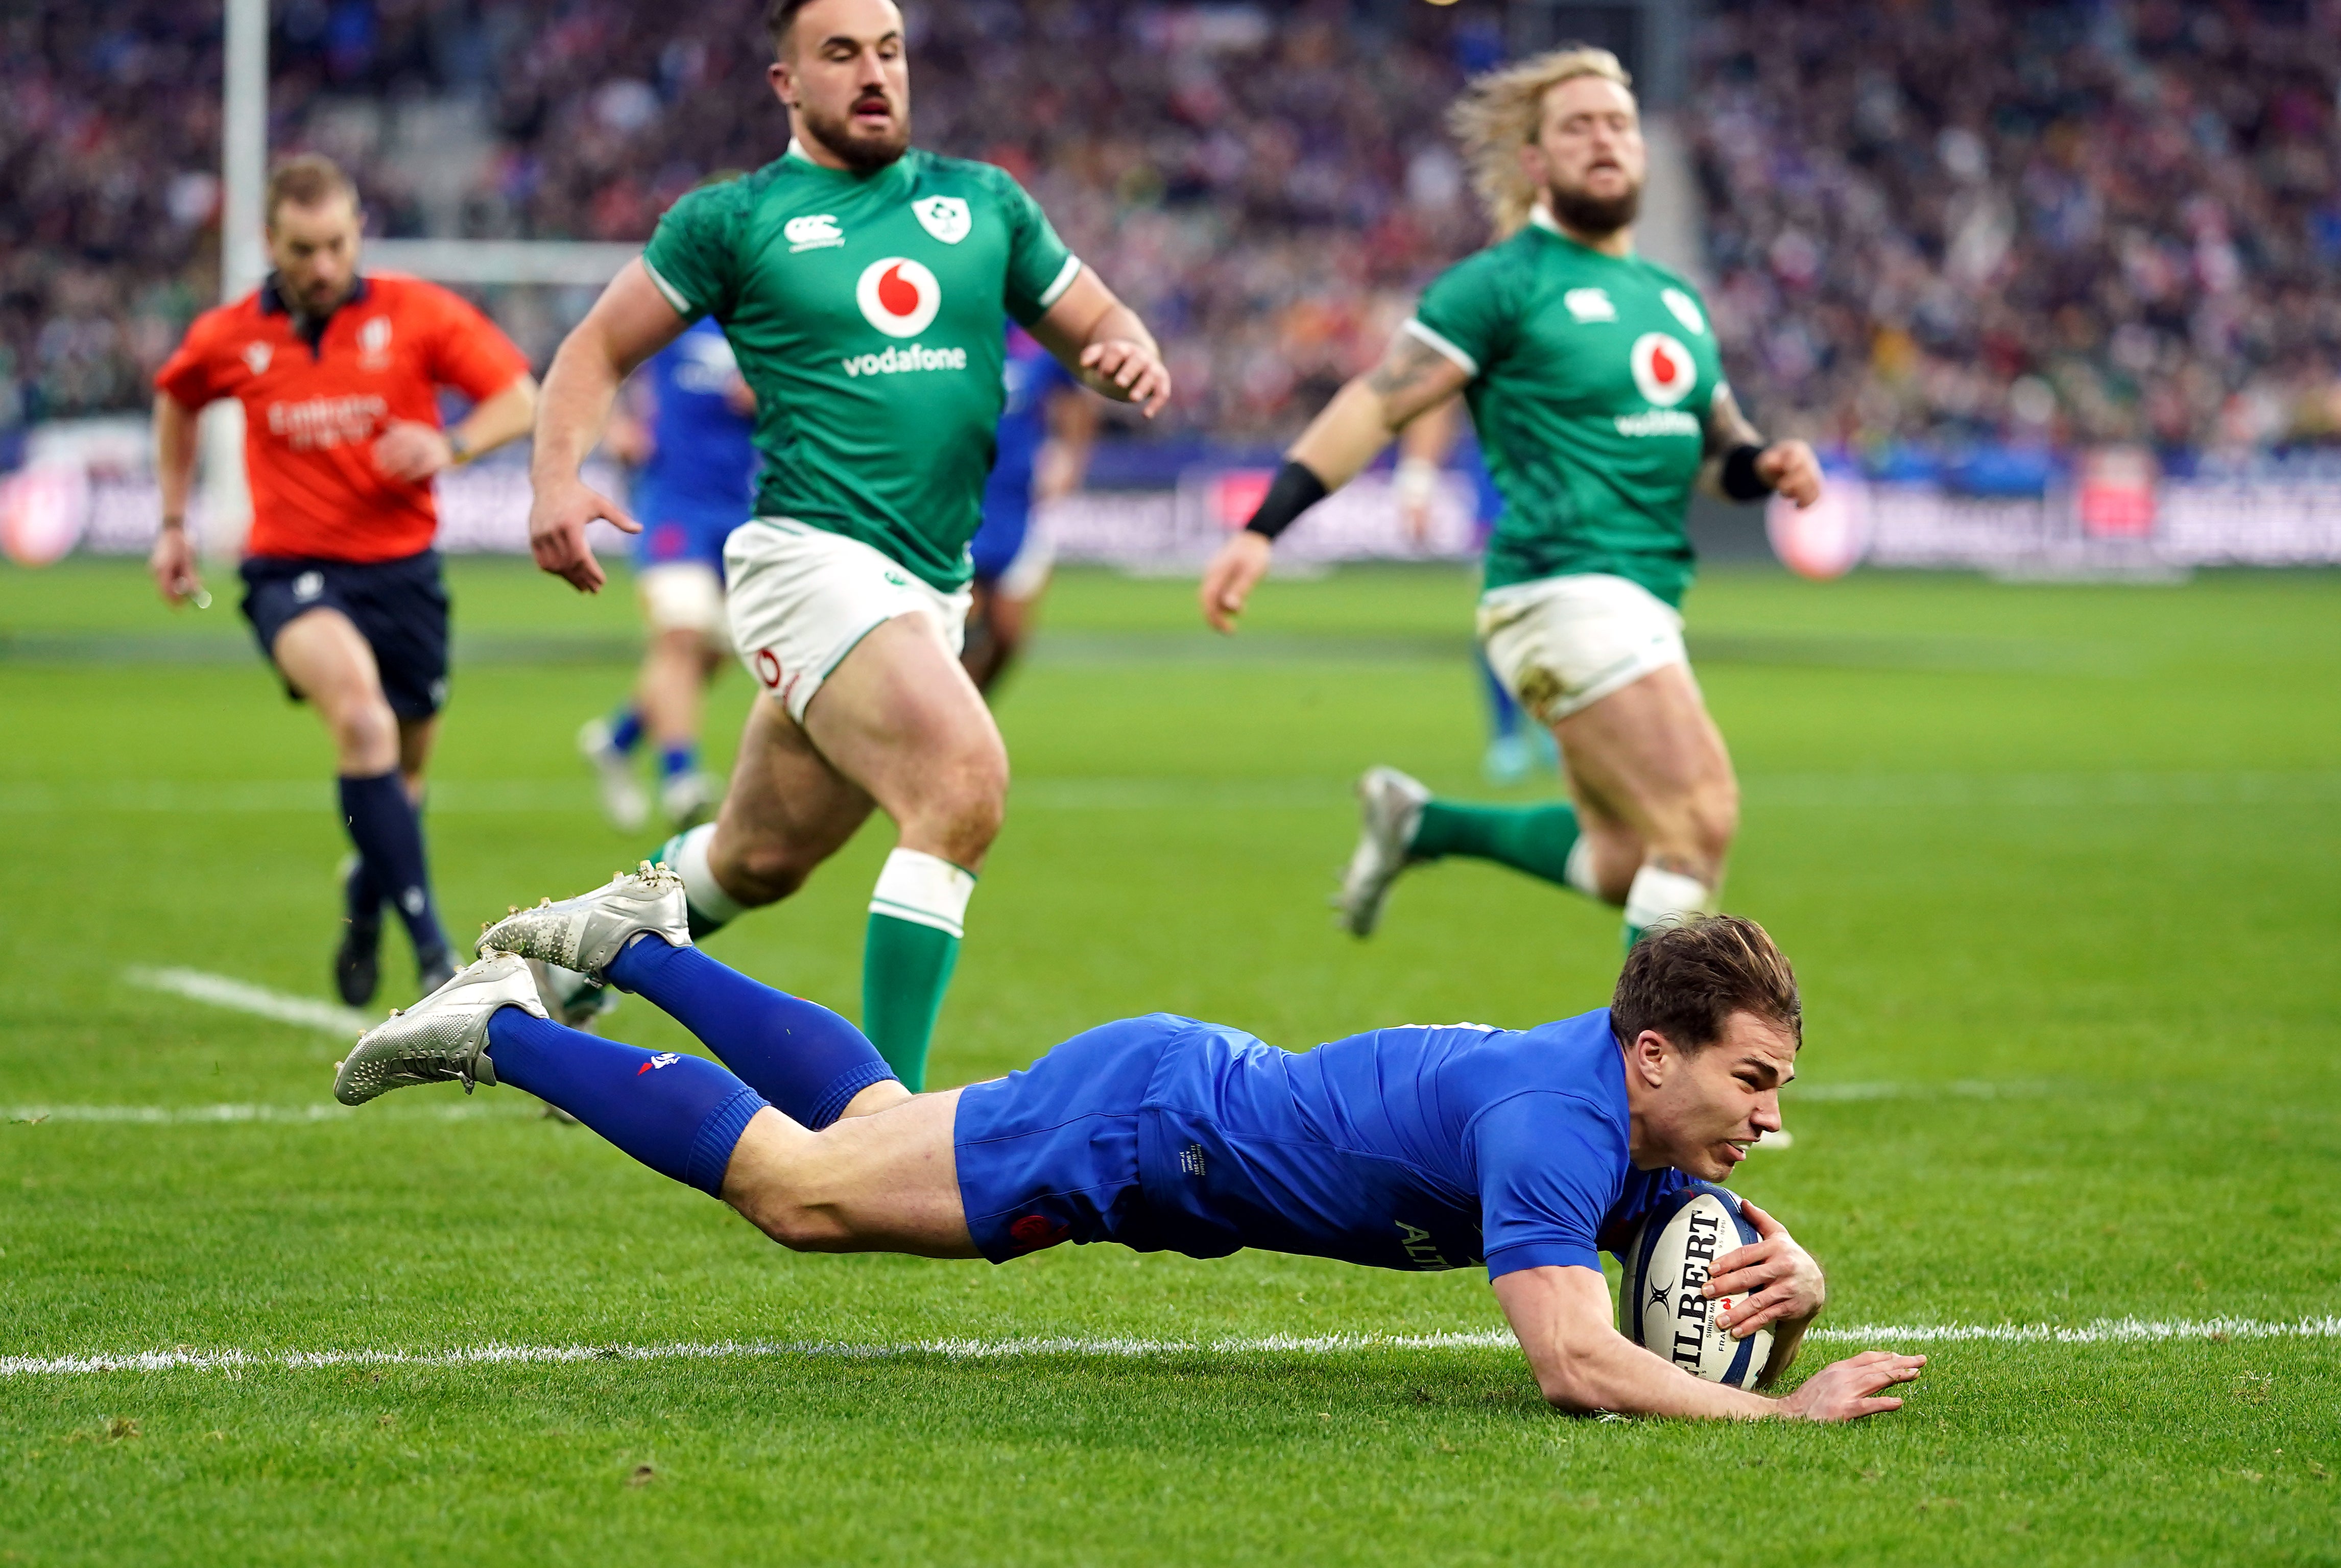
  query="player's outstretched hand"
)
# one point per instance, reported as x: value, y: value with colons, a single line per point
x: 1850, y: 1389
x: 1231, y: 576
x: 1775, y: 1278
x: 1129, y: 371
x: 412, y: 452
x: 557, y: 517
x: 1791, y: 470
x: 173, y: 564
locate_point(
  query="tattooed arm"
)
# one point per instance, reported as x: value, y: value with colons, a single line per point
x: 1412, y: 379
x: 1787, y: 467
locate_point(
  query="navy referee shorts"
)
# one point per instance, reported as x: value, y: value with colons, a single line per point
x: 399, y: 607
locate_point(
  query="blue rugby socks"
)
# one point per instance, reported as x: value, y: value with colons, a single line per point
x: 806, y: 1060
x: 677, y: 762
x: 625, y: 729
x: 680, y: 1116
x: 388, y: 832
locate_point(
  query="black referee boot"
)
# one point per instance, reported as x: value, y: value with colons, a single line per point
x: 357, y: 964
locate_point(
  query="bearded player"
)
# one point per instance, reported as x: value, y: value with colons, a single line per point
x: 1595, y: 383
x: 338, y: 372
x: 1529, y: 1151
x: 861, y: 284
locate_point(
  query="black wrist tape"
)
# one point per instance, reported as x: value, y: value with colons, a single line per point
x: 1740, y: 480
x: 1296, y: 490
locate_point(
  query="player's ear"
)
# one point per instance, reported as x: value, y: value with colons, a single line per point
x: 1649, y: 1056
x: 1532, y: 164
x: 778, y: 74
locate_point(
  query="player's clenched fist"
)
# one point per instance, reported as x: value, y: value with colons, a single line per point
x: 1231, y: 576
x: 1127, y: 371
x: 556, y: 532
x: 1791, y: 470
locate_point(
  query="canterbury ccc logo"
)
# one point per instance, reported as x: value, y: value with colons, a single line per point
x: 1663, y: 369
x: 898, y: 296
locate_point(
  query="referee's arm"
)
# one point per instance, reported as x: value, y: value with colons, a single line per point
x: 173, y: 560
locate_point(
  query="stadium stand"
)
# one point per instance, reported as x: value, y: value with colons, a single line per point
x: 2060, y: 223
x: 2018, y: 225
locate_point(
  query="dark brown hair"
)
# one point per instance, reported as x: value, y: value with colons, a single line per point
x: 309, y: 180
x: 779, y: 17
x: 1685, y: 980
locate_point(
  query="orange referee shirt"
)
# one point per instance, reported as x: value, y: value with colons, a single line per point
x: 312, y: 410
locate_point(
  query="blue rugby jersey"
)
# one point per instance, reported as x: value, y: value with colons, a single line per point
x: 1419, y: 1147
x: 701, y: 479
x: 1032, y: 377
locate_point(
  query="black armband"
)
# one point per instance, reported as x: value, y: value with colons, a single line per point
x: 1296, y: 490
x: 1740, y: 480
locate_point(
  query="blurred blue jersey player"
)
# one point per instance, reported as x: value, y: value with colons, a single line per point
x: 689, y: 432
x: 1528, y: 1152
x: 1046, y: 431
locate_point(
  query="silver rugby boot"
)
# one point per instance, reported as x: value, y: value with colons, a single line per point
x: 1389, y: 808
x: 586, y: 932
x: 442, y: 1039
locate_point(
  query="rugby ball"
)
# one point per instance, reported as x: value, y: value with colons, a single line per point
x: 1659, y: 1307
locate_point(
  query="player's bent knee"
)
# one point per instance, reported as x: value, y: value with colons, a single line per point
x: 365, y: 731
x: 760, y: 873
x: 1715, y: 818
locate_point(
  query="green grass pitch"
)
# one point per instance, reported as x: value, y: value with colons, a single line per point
x: 2056, y: 863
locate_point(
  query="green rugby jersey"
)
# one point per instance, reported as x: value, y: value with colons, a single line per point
x: 865, y: 312
x: 1591, y: 380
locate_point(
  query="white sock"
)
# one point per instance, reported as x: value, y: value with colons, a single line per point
x: 1658, y: 895
x: 700, y: 889
x: 924, y: 889
x: 1578, y: 869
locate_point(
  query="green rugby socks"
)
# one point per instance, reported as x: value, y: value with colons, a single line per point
x: 917, y: 915
x: 1539, y: 839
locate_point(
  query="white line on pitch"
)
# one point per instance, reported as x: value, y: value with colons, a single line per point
x: 324, y: 1111
x: 220, y: 992
x: 2105, y: 1331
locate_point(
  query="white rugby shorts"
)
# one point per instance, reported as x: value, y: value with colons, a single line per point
x: 801, y: 596
x: 1562, y: 643
x: 683, y: 596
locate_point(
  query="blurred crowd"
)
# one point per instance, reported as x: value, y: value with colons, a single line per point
x: 1927, y: 224
x: 1948, y: 224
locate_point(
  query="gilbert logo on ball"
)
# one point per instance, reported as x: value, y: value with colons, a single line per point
x: 1661, y: 1304
x: 898, y: 296
x: 1663, y: 369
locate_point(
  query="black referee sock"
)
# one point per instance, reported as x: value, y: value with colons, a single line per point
x: 383, y: 824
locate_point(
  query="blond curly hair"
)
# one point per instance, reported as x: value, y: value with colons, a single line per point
x: 1501, y: 112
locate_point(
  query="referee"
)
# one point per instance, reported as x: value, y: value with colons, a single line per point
x: 338, y: 374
